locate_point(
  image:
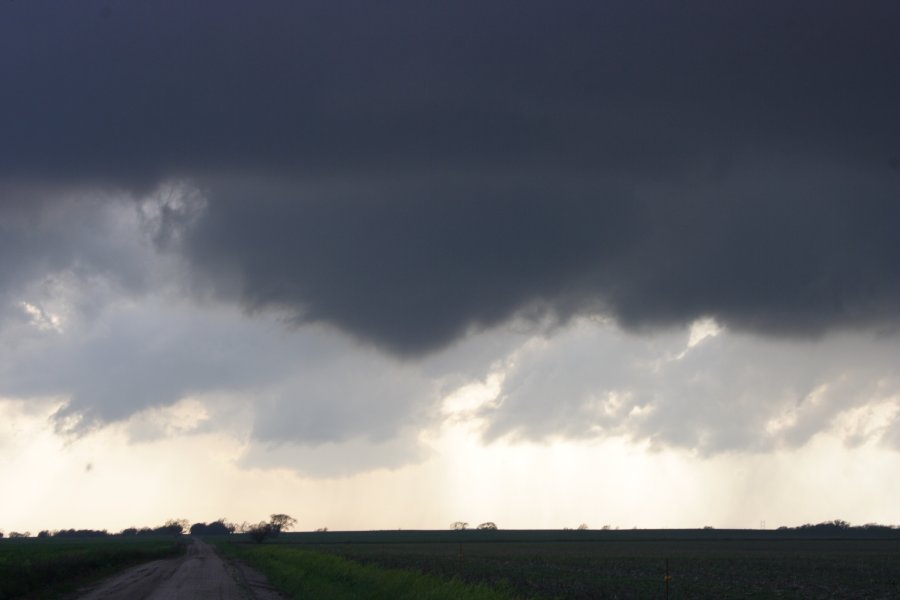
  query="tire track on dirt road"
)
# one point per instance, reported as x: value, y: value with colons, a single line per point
x: 198, y: 575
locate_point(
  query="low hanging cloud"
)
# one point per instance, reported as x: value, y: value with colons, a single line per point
x: 412, y: 173
x: 412, y: 269
x: 318, y: 403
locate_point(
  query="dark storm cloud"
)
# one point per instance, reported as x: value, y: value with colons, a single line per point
x: 49, y: 234
x: 407, y: 271
x: 410, y: 171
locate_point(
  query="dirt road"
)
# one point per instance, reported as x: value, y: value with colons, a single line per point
x: 200, y: 575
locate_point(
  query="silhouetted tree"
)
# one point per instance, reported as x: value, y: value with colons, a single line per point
x: 171, y: 527
x: 277, y: 523
x: 243, y: 527
x: 840, y: 524
x: 80, y: 533
x: 459, y: 525
x: 219, y: 527
x: 583, y: 527
x: 876, y: 527
x: 176, y: 526
x: 16, y: 534
x: 488, y: 525
x: 259, y: 532
x: 281, y: 522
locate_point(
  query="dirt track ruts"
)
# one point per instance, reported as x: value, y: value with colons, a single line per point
x: 200, y: 574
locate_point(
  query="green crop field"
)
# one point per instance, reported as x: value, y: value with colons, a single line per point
x: 308, y: 574
x: 626, y: 564
x: 50, y: 568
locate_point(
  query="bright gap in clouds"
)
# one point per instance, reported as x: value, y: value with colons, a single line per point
x: 42, y: 319
x: 518, y: 485
x: 201, y: 458
x: 702, y: 329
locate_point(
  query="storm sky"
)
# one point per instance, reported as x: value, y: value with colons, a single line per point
x: 361, y: 249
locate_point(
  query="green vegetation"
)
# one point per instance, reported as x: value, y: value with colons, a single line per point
x: 308, y: 574
x: 718, y: 564
x: 273, y: 528
x: 50, y: 567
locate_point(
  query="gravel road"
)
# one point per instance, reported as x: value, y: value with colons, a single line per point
x: 198, y: 575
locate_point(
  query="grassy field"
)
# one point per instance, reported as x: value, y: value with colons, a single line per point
x: 625, y: 564
x: 51, y: 568
x: 309, y: 574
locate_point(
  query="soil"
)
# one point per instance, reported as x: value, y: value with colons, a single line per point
x: 200, y: 574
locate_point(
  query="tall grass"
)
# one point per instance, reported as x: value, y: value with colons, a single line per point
x: 307, y: 574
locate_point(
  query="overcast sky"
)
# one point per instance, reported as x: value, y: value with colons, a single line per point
x: 400, y: 264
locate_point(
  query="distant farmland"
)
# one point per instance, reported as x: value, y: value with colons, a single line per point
x: 819, y: 562
x: 632, y: 563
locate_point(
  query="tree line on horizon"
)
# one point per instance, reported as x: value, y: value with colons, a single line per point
x: 275, y: 525
x: 838, y: 525
x: 280, y: 522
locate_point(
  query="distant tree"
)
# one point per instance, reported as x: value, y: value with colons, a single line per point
x: 583, y: 527
x: 825, y: 526
x: 168, y: 529
x: 219, y: 527
x: 1, y: 534
x: 242, y: 527
x: 232, y: 526
x: 841, y: 524
x: 488, y: 525
x: 129, y: 531
x: 281, y: 522
x: 80, y: 533
x: 171, y: 527
x: 876, y: 527
x: 259, y: 532
x: 321, y: 530
x: 222, y: 526
x: 16, y: 534
x: 43, y: 534
x: 459, y: 525
x: 276, y: 524
x: 177, y: 526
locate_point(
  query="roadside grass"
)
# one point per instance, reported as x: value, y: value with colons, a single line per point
x: 308, y: 574
x: 51, y: 568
